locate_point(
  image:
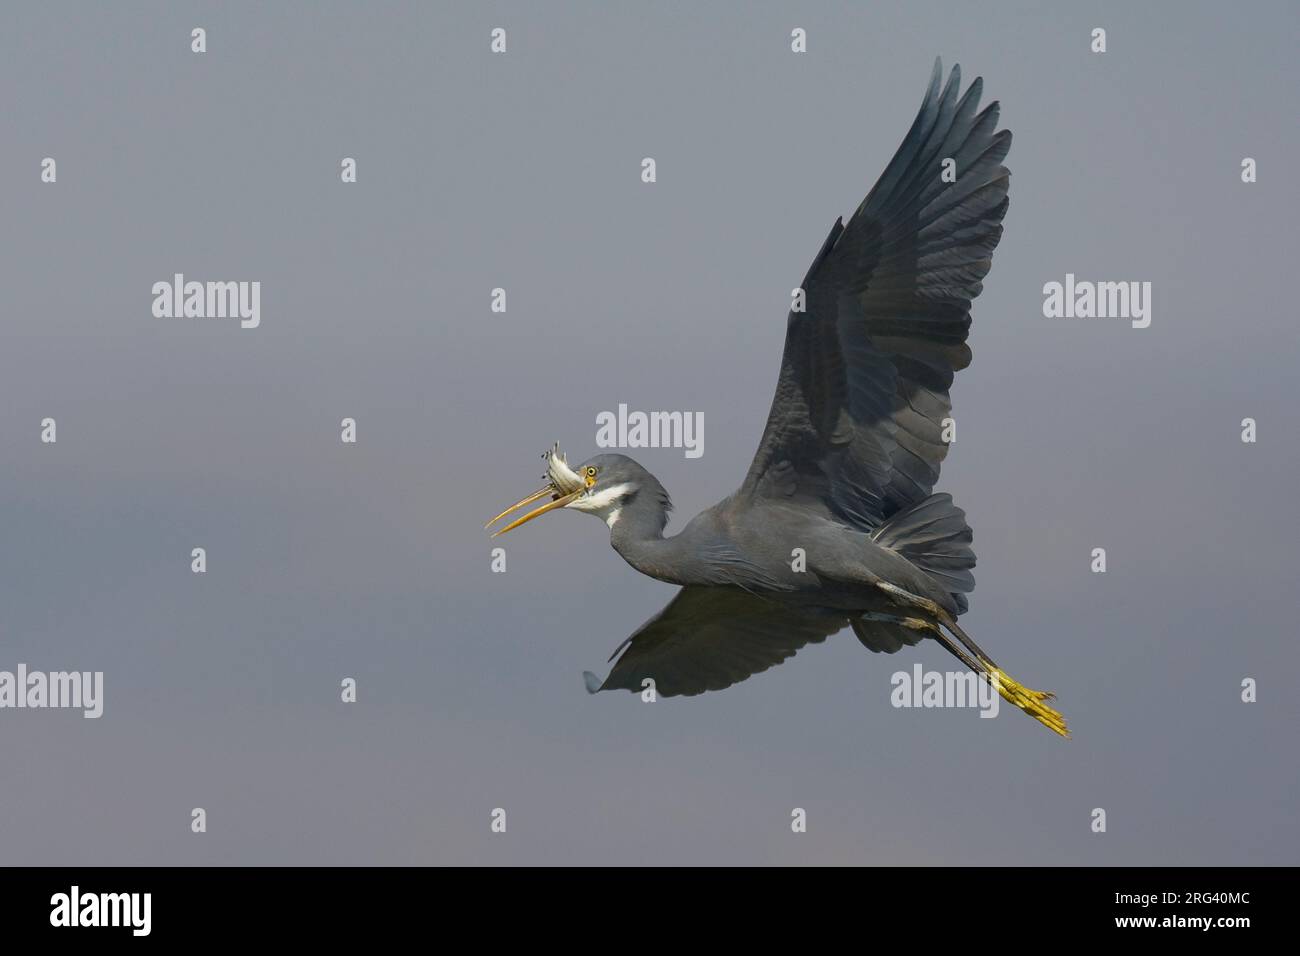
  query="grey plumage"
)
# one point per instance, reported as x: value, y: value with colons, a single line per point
x: 846, y: 467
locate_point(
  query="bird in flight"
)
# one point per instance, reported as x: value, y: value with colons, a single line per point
x: 846, y: 468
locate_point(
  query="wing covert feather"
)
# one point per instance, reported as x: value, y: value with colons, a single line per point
x: 863, y: 391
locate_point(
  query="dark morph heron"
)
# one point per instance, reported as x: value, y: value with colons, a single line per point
x: 846, y: 467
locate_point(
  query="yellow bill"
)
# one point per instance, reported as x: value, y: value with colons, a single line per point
x: 558, y: 502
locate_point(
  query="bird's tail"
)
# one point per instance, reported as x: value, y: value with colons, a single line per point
x: 934, y: 536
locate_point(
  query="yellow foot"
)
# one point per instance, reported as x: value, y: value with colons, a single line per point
x: 1030, y: 701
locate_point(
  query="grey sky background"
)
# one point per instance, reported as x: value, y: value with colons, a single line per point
x: 522, y: 171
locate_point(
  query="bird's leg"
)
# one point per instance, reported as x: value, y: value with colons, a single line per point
x: 932, y: 628
x: 1013, y: 692
x: 943, y: 617
x: 1032, y: 702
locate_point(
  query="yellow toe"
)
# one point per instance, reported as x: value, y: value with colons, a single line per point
x: 1030, y: 701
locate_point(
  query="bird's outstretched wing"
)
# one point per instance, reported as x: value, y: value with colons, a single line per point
x: 708, y: 638
x: 857, y: 419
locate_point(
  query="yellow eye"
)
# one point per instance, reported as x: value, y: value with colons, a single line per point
x: 591, y: 472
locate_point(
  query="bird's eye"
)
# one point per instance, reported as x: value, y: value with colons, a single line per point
x: 591, y: 472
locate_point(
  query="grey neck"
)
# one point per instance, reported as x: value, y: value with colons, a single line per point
x: 638, y: 536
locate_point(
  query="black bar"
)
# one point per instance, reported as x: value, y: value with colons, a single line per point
x: 302, y: 905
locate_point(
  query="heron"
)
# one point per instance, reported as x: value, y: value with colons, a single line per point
x: 846, y: 466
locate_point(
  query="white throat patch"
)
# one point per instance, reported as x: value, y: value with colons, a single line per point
x: 598, y: 502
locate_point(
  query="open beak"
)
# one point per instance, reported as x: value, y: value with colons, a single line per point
x: 562, y: 486
x: 557, y: 501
